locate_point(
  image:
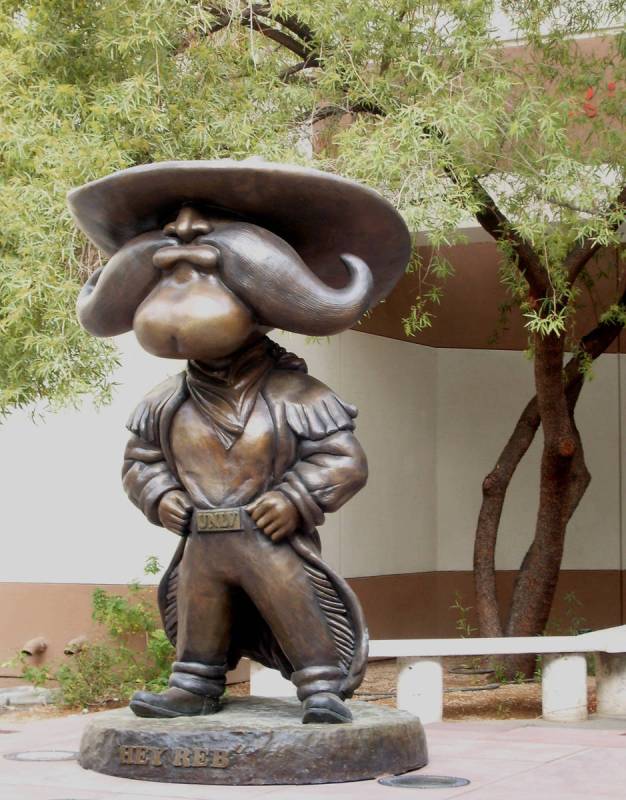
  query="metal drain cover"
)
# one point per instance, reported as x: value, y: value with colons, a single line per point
x: 43, y: 755
x: 409, y: 781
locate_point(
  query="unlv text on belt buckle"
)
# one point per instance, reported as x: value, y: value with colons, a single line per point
x: 218, y: 520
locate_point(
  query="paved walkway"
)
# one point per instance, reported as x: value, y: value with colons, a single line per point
x: 512, y: 760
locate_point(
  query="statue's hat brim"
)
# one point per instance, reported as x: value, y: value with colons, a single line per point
x: 320, y: 214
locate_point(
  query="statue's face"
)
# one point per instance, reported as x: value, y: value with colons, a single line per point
x: 191, y: 313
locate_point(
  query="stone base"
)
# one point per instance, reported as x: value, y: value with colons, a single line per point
x: 254, y: 740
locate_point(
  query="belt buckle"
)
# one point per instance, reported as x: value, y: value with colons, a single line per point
x: 218, y: 520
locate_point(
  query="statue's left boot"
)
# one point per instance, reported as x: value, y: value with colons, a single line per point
x: 195, y: 690
x: 319, y: 689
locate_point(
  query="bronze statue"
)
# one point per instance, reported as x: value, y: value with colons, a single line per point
x: 243, y: 453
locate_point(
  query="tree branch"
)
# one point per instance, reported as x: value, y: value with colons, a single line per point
x: 295, y: 68
x: 250, y: 18
x: 580, y: 255
x: 222, y: 20
x: 276, y: 35
x: 592, y: 345
x: 287, y: 21
x: 492, y: 220
x: 295, y: 26
x: 331, y: 110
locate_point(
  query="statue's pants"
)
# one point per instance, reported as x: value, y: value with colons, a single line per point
x: 218, y: 565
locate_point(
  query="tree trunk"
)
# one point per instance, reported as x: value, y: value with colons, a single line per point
x: 496, y: 485
x: 537, y: 578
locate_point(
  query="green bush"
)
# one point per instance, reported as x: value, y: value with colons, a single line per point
x: 132, y: 653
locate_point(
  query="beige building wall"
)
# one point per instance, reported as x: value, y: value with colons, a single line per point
x: 432, y: 422
x: 68, y: 517
x: 391, y: 526
x: 480, y: 394
x: 71, y: 522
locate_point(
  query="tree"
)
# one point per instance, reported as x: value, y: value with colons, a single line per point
x: 419, y: 99
x: 86, y: 88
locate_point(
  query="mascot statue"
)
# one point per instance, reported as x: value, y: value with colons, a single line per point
x: 243, y: 453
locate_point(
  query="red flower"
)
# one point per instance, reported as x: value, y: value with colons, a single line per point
x: 590, y: 109
x: 611, y: 86
x: 589, y: 93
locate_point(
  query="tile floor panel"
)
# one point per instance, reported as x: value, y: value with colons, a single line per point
x: 568, y: 737
x: 504, y: 760
x: 497, y: 749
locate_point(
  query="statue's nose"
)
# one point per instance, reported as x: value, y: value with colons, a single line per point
x: 188, y: 224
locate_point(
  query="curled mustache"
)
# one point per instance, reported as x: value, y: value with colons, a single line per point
x: 107, y: 302
x: 270, y: 276
x: 258, y: 266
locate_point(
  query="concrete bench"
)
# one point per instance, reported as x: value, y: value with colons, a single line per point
x: 563, y: 678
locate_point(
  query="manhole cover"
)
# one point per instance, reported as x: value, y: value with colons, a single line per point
x: 423, y: 781
x: 43, y: 755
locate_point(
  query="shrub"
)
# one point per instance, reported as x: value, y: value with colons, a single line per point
x: 132, y: 654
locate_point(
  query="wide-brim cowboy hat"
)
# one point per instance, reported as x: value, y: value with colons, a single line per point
x: 319, y: 214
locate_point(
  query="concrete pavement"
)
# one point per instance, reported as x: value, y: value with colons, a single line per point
x: 504, y: 760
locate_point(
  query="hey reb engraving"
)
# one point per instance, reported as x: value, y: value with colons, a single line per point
x: 191, y: 757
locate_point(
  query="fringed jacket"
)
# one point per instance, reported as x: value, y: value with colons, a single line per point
x: 318, y: 464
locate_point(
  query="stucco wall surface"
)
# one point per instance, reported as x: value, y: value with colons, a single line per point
x: 480, y: 395
x: 432, y: 422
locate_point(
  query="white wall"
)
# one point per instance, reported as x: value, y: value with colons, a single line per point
x: 391, y: 525
x: 480, y: 395
x: 432, y: 423
x: 67, y: 519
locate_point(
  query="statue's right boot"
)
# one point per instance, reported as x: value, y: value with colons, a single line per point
x: 195, y: 689
x: 319, y: 689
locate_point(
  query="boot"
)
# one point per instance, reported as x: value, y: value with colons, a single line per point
x: 319, y: 689
x: 195, y: 689
x: 325, y: 707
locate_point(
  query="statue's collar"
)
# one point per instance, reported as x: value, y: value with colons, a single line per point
x: 231, y: 370
x: 225, y: 391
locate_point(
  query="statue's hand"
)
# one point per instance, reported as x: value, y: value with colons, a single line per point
x: 275, y: 515
x: 175, y: 510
